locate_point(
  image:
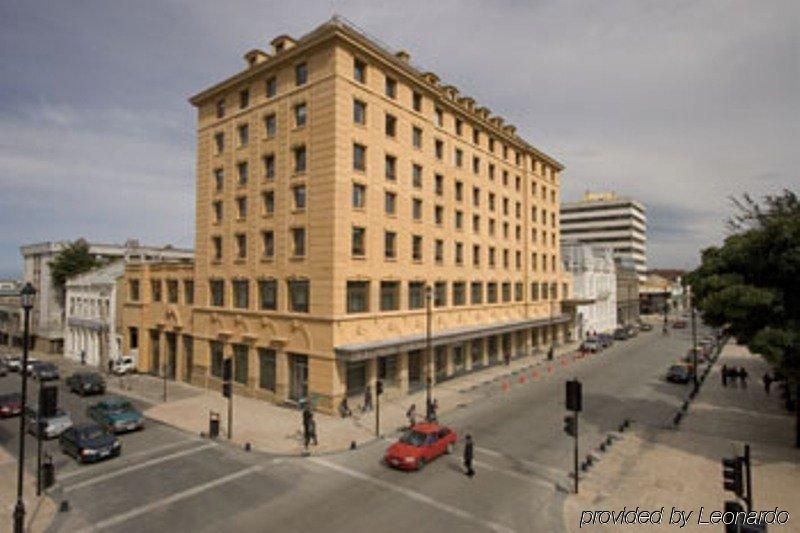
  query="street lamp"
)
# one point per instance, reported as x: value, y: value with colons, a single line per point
x: 428, y: 373
x: 26, y: 298
x: 694, y: 350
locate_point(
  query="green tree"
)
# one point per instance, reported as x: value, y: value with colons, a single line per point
x: 749, y: 285
x: 74, y: 259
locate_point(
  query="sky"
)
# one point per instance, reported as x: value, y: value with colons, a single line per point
x: 679, y: 104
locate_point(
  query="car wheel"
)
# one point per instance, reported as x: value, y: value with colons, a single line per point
x: 421, y: 464
x: 449, y: 448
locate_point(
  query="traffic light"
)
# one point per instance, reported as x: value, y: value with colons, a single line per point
x: 569, y: 425
x: 48, y: 401
x: 378, y: 388
x: 574, y: 395
x: 732, y: 475
x: 227, y: 389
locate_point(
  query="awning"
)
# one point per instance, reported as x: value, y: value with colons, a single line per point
x: 368, y: 350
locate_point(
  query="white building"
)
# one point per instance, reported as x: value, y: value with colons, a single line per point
x: 594, y: 280
x: 606, y: 219
x: 47, y: 316
x: 90, y: 333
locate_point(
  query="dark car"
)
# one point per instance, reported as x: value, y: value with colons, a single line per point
x: 621, y: 334
x: 645, y: 326
x: 678, y: 374
x: 679, y: 324
x: 45, y: 371
x: 116, y: 415
x: 605, y: 340
x: 89, y: 443
x: 3, y: 369
x: 84, y: 383
x: 632, y: 330
x: 10, y: 404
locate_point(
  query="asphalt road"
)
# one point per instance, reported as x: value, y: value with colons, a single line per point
x: 167, y: 480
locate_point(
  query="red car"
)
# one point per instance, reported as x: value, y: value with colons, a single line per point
x: 10, y: 405
x: 419, y: 445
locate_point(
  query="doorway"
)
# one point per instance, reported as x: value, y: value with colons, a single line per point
x: 298, y: 376
x: 188, y: 358
x: 172, y: 355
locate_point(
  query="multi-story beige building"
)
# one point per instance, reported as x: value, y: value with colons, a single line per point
x: 334, y: 182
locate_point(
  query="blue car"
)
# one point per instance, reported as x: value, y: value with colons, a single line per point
x: 89, y: 443
x: 117, y: 415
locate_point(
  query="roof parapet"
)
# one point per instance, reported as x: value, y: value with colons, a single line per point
x: 450, y: 91
x: 403, y: 56
x: 254, y: 57
x: 483, y: 112
x: 467, y: 101
x: 431, y: 78
x: 281, y: 43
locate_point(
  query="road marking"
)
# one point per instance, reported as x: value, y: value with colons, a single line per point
x: 130, y: 456
x: 411, y: 494
x: 169, y: 500
x: 523, y: 477
x: 540, y: 466
x: 133, y: 468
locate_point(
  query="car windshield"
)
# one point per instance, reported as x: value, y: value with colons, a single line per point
x: 10, y: 398
x: 676, y: 368
x: 116, y: 407
x: 92, y: 433
x: 414, y: 438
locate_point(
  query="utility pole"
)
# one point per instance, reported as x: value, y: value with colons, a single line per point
x: 378, y: 393
x: 694, y: 351
x: 574, y: 403
x: 26, y: 296
x: 428, y: 355
x: 39, y: 430
x: 749, y: 473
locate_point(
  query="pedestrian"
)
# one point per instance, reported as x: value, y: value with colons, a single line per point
x: 434, y: 409
x: 312, y: 430
x: 344, y: 409
x: 306, y: 427
x: 469, y: 451
x: 507, y: 358
x: 743, y: 377
x: 110, y: 365
x: 767, y: 379
x: 551, y: 352
x: 367, y: 399
x: 724, y: 374
x: 411, y: 415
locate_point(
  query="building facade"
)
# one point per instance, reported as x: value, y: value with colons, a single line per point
x: 594, y: 281
x: 627, y: 292
x: 47, y: 316
x: 335, y: 182
x: 606, y: 219
x: 11, y: 315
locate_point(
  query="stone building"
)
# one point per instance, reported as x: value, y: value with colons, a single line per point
x: 335, y: 182
x: 627, y: 292
x: 11, y: 315
x: 594, y: 281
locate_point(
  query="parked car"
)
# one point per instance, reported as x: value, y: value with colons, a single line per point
x: 45, y: 371
x: 84, y: 383
x: 116, y: 415
x: 621, y: 334
x: 419, y: 445
x: 123, y: 365
x: 590, y: 345
x: 89, y: 443
x: 632, y: 330
x: 10, y: 404
x: 605, y: 340
x: 52, y: 426
x: 679, y: 324
x: 645, y: 326
x: 701, y: 356
x: 13, y: 363
x: 678, y: 374
x: 32, y: 362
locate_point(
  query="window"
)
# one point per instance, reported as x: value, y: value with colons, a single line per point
x: 416, y: 295
x: 359, y: 157
x: 391, y: 87
x: 505, y: 230
x: 241, y: 207
x: 244, y: 134
x: 240, y: 293
x: 476, y: 164
x: 217, y: 292
x: 491, y: 201
x: 439, y: 149
x: 476, y: 136
x: 476, y: 255
x: 416, y: 102
x: 459, y: 293
x: 416, y: 247
x: 272, y: 87
x: 459, y: 220
x: 155, y: 290
x: 359, y: 195
x: 359, y: 112
x: 459, y: 157
x: 438, y: 251
x: 491, y: 292
x: 389, y: 245
x: 300, y: 159
x: 358, y: 244
x: 268, y: 241
x: 391, y: 168
x: 506, y: 288
x: 505, y: 258
x: 219, y: 179
x: 476, y: 292
x: 240, y: 363
x: 216, y: 244
x: 271, y: 125
x: 416, y: 176
x: 440, y: 294
x: 133, y: 338
x: 416, y: 137
x: 359, y: 71
x: 299, y: 194
x: 491, y: 227
x: 188, y: 292
x: 219, y: 140
x: 217, y: 356
x: 266, y: 369
x: 491, y: 256
x: 299, y: 295
x: 220, y: 108
x: 133, y: 290
x: 459, y: 126
x: 268, y: 294
x: 298, y: 242
x: 390, y: 295
x: 268, y: 198
x: 518, y: 291
x: 517, y: 183
x: 491, y: 171
x: 269, y: 167
x: 391, y: 125
x: 390, y: 203
x: 518, y: 260
x: 416, y: 209
x: 505, y: 206
x: 241, y: 245
x: 491, y: 145
x: 300, y: 74
x: 459, y: 253
x: 300, y: 115
x: 476, y: 196
x: 244, y: 98
x: 534, y: 291
x: 438, y: 215
x: 217, y: 208
x: 459, y: 192
x: 505, y: 177
x: 476, y: 223
x: 439, y: 117
x: 357, y: 296
x: 242, y: 169
x: 439, y: 184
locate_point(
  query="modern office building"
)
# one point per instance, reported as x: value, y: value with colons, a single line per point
x: 47, y: 316
x: 335, y: 182
x: 594, y: 287
x: 609, y: 220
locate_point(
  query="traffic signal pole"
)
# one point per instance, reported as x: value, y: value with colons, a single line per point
x: 748, y: 499
x: 576, y: 452
x: 377, y: 411
x: 694, y: 351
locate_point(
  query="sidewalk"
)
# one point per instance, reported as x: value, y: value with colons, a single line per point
x: 274, y: 429
x: 654, y: 467
x: 39, y: 512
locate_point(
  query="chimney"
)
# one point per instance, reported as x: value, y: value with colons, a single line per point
x: 254, y: 57
x: 403, y: 56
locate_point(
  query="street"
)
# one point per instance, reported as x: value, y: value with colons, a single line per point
x: 167, y: 480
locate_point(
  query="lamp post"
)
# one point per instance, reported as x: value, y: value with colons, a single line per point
x: 26, y: 297
x: 694, y: 351
x: 428, y: 373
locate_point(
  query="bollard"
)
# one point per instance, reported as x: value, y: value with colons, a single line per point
x: 64, y: 507
x: 352, y: 445
x: 247, y: 446
x: 626, y: 423
x: 602, y: 447
x: 584, y: 466
x: 213, y: 425
x: 677, y: 419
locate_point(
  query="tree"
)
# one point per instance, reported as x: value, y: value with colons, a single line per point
x: 749, y: 285
x: 74, y: 259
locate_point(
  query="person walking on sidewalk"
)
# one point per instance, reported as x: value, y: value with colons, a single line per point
x: 724, y: 374
x: 743, y: 377
x: 469, y: 451
x: 767, y: 379
x: 411, y: 415
x: 367, y: 399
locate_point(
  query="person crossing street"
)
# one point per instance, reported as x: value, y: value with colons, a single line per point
x: 469, y: 451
